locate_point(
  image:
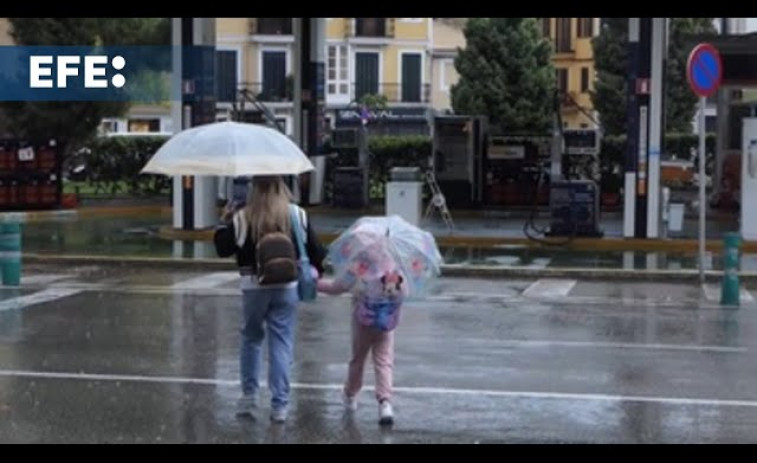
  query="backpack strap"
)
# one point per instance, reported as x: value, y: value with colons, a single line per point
x: 299, y: 233
x: 241, y: 227
x: 303, y: 219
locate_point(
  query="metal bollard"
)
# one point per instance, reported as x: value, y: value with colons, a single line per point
x: 730, y: 292
x: 10, y: 253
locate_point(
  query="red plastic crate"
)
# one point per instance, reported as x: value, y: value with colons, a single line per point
x: 45, y: 159
x: 48, y: 194
x: 4, y: 196
x: 7, y: 160
x: 31, y: 195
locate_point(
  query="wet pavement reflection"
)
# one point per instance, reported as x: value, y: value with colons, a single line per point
x: 120, y: 364
x: 138, y: 236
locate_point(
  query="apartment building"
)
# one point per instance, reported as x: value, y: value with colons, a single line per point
x: 5, y: 36
x: 363, y: 56
x: 574, y: 65
x: 447, y: 39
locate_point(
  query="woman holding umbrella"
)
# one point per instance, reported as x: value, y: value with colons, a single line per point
x: 256, y: 234
x: 270, y: 237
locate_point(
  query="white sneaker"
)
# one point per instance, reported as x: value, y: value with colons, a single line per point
x: 279, y: 415
x: 386, y: 416
x: 247, y: 405
x: 350, y: 403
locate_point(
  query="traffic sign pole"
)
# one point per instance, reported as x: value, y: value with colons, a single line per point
x: 704, y: 71
x: 702, y: 185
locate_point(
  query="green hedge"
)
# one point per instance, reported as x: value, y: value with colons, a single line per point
x: 116, y: 161
x: 113, y: 163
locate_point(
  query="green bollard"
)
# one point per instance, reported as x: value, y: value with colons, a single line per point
x: 730, y: 292
x: 10, y: 253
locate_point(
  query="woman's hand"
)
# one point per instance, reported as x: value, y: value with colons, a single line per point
x: 228, y: 212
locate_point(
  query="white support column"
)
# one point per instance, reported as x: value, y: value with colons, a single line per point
x: 318, y: 55
x: 176, y: 112
x: 722, y: 119
x: 298, y: 74
x: 749, y: 180
x: 204, y: 189
x: 629, y: 186
x: 659, y: 50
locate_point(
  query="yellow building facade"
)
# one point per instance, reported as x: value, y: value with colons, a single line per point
x: 5, y: 37
x: 363, y: 56
x: 448, y: 38
x: 574, y: 62
x: 410, y: 61
x: 573, y: 59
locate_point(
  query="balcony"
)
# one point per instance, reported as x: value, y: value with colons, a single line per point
x: 272, y: 93
x: 584, y: 49
x: 394, y: 93
x: 373, y: 27
x: 573, y: 102
x: 271, y: 26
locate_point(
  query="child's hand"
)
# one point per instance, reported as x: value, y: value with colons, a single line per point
x: 330, y: 286
x: 324, y: 285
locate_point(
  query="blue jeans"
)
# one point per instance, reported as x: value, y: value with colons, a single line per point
x: 277, y: 308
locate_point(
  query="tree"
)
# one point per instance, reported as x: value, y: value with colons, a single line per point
x: 374, y: 102
x: 506, y: 73
x: 72, y: 123
x: 680, y: 101
x: 610, y: 93
x: 611, y: 88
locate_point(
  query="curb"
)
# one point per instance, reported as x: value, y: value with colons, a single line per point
x: 169, y: 233
x: 481, y: 271
x: 124, y: 210
x: 652, y: 275
x: 578, y: 244
x: 37, y: 216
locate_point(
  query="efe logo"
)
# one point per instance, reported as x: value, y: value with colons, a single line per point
x: 41, y: 68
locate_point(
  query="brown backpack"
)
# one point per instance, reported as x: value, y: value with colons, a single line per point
x: 276, y: 259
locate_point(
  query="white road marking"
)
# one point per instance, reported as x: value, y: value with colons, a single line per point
x: 539, y: 262
x: 712, y: 293
x: 549, y: 288
x: 407, y: 389
x: 42, y: 279
x: 46, y: 295
x: 621, y: 345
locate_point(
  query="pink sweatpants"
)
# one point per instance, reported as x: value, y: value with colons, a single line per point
x: 381, y: 345
x: 364, y: 340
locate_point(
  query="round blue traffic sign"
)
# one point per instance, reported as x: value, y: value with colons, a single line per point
x: 704, y: 70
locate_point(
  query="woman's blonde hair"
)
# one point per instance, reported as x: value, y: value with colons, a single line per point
x: 267, y: 208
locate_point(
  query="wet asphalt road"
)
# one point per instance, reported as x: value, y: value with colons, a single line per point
x: 91, y: 356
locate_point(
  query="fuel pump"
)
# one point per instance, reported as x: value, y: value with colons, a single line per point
x: 573, y: 191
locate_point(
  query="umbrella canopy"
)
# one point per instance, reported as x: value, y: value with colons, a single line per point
x: 374, y: 245
x: 229, y: 149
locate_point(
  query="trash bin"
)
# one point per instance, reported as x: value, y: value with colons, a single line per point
x: 675, y: 215
x: 404, y: 194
